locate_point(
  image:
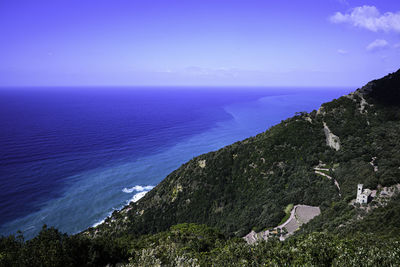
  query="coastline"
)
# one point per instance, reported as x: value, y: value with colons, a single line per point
x: 101, y: 187
x: 238, y: 119
x: 141, y: 192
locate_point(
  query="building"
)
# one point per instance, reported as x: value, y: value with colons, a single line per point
x: 363, y: 196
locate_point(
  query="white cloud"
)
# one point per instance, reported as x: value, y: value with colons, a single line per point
x: 370, y: 18
x: 378, y: 44
x: 342, y: 51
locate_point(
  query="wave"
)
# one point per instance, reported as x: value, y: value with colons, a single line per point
x: 100, y: 222
x: 137, y: 188
x: 137, y: 196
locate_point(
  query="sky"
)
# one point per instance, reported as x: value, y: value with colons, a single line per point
x: 197, y: 42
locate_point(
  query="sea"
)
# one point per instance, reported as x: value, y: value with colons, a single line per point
x: 69, y: 157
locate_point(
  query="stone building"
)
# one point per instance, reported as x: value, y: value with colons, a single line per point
x: 363, y: 196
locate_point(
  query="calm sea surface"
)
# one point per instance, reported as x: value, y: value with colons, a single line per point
x: 70, y: 156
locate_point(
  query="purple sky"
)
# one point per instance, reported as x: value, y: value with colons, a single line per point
x: 197, y: 42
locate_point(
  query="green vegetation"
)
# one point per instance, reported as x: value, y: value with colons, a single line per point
x: 287, y: 210
x: 52, y: 248
x: 248, y: 184
x: 341, y: 218
x: 199, y: 245
x: 244, y: 185
x: 198, y: 214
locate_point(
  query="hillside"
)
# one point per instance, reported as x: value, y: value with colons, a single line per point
x: 199, y: 214
x: 247, y: 185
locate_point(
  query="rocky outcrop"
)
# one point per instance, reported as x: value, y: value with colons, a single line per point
x: 332, y: 140
x: 202, y: 163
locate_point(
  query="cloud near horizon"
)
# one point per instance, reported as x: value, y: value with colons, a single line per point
x: 378, y: 44
x: 369, y: 17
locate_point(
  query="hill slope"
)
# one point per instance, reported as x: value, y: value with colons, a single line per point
x: 247, y: 185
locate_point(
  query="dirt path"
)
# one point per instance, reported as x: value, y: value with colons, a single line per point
x: 318, y: 170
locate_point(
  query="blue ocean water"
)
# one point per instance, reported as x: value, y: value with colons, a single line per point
x: 70, y: 156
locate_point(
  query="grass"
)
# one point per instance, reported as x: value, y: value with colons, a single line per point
x: 287, y: 210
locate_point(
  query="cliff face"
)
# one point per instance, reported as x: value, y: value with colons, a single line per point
x: 248, y: 184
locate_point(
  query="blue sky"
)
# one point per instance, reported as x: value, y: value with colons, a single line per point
x: 197, y: 42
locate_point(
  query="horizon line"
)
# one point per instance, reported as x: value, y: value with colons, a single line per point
x: 176, y: 86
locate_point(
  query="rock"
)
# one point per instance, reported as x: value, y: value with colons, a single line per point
x: 332, y: 140
x: 202, y: 163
